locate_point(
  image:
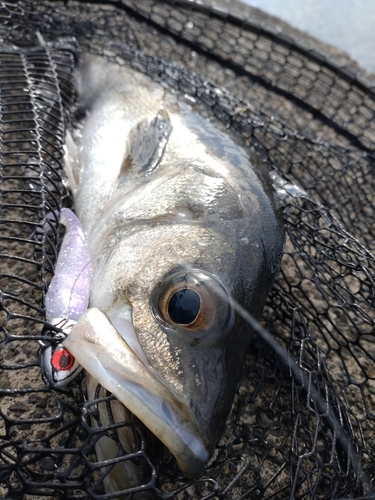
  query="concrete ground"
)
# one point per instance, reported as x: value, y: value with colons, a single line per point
x: 346, y: 24
x: 340, y: 26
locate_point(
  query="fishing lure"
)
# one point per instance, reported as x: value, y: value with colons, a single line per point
x: 66, y: 299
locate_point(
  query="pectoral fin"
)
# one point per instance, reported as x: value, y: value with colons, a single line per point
x: 146, y: 143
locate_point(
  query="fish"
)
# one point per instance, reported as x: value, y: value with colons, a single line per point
x: 180, y: 220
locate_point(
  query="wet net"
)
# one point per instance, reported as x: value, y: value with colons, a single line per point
x: 303, y: 420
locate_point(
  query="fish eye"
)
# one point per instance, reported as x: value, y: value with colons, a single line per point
x: 184, y: 306
x: 189, y: 300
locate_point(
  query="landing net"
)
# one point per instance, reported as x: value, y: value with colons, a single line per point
x: 303, y: 421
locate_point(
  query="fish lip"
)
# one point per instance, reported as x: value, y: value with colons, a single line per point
x: 101, y: 350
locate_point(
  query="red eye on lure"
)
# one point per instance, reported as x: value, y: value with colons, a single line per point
x: 62, y: 360
x: 59, y: 365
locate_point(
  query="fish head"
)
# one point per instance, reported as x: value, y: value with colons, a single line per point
x: 169, y: 334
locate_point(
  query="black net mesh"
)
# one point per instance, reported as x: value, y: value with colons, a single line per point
x: 302, y: 423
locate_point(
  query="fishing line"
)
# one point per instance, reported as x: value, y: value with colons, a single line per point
x: 323, y: 407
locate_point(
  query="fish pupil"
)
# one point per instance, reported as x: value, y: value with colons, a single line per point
x: 184, y: 306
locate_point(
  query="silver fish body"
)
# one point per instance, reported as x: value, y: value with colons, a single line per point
x: 179, y: 222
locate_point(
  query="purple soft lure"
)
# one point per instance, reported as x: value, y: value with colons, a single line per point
x: 68, y: 293
x: 67, y: 298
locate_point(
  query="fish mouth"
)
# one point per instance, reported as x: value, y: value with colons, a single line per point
x: 101, y: 350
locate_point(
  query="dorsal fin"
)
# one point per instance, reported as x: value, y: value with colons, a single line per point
x: 145, y: 144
